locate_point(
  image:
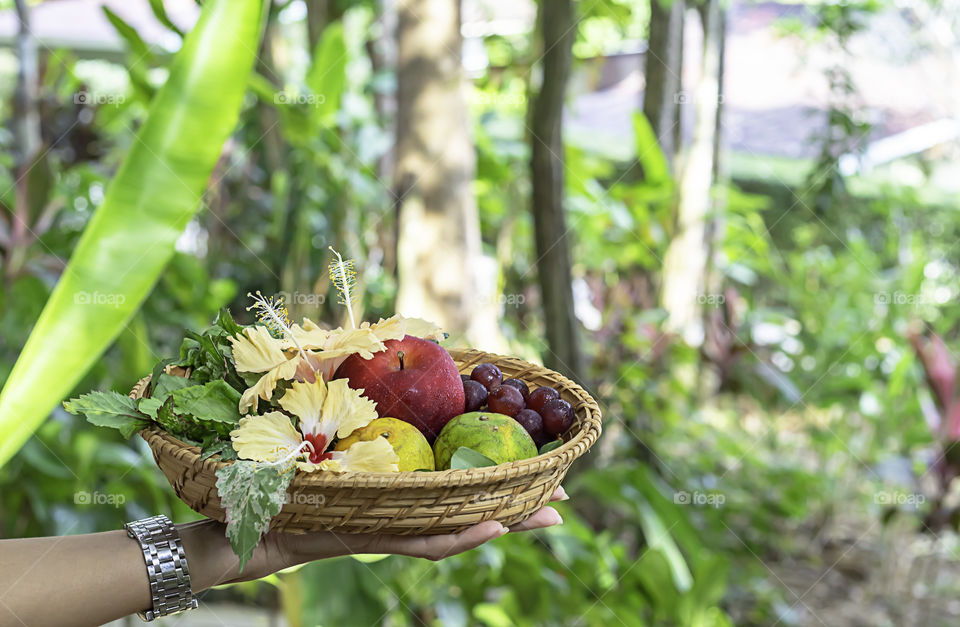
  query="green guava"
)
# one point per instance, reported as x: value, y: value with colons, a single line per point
x: 499, y: 437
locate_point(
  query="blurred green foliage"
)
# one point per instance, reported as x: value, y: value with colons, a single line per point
x: 131, y: 237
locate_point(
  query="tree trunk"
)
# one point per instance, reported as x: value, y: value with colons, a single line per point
x: 686, y: 259
x: 382, y: 50
x: 26, y: 95
x: 546, y: 165
x: 439, y: 258
x: 274, y: 148
x: 26, y: 127
x: 662, y: 70
x: 320, y: 13
x: 716, y: 226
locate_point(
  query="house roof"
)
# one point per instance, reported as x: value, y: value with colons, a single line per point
x: 775, y: 92
x: 776, y: 95
x: 82, y: 27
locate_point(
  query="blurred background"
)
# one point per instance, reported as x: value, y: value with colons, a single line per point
x: 734, y: 222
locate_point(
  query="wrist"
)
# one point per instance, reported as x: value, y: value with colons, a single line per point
x: 219, y: 565
x: 212, y: 561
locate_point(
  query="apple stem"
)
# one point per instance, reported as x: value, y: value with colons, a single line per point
x: 400, y: 357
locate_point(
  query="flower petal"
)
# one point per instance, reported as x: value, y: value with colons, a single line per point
x: 326, y: 368
x: 395, y: 327
x: 419, y: 327
x: 340, y: 345
x: 346, y: 408
x: 266, y: 438
x: 305, y: 401
x: 263, y: 388
x: 257, y: 351
x: 349, y: 341
x: 365, y: 456
x: 310, y: 336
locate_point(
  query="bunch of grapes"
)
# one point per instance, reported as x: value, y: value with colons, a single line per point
x: 542, y: 412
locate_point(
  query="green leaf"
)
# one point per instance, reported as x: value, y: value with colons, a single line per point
x: 199, y: 412
x: 149, y: 406
x: 215, y: 401
x: 649, y: 154
x: 251, y: 495
x: 182, y: 426
x: 160, y: 12
x: 549, y: 446
x: 492, y: 615
x: 465, y: 457
x: 159, y: 369
x: 39, y: 183
x: 131, y: 236
x: 370, y: 558
x: 658, y: 538
x: 137, y: 45
x: 134, y: 345
x: 223, y: 448
x: 327, y: 76
x: 168, y: 383
x: 109, y: 409
x: 210, y: 354
x: 225, y: 321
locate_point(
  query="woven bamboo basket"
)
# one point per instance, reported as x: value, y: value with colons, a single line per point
x: 420, y: 503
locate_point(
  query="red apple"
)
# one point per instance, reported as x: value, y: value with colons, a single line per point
x: 414, y: 380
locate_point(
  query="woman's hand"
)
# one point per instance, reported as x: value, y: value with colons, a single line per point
x: 282, y: 550
x: 438, y: 547
x: 98, y: 577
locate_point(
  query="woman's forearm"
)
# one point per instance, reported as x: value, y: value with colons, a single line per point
x: 95, y: 578
x: 72, y: 580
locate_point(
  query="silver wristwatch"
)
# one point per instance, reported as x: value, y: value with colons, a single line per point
x: 166, y: 566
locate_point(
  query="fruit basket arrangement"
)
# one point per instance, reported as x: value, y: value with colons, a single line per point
x: 373, y: 428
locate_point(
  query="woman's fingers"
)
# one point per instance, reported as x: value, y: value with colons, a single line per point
x: 439, y: 547
x: 313, y: 546
x: 545, y: 517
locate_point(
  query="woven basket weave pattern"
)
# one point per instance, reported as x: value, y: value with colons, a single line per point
x: 409, y: 502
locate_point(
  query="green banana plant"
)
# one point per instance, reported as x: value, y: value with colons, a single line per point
x: 156, y: 191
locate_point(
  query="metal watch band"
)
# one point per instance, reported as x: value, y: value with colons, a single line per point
x: 166, y: 566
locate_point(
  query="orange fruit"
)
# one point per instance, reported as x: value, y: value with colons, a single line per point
x: 410, y: 445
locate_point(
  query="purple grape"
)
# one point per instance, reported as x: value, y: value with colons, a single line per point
x: 475, y: 395
x: 557, y: 416
x: 540, y: 396
x: 533, y: 423
x: 506, y: 400
x: 521, y: 387
x: 465, y: 378
x: 488, y: 375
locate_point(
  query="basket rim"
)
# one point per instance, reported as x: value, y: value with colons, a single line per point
x: 585, y: 407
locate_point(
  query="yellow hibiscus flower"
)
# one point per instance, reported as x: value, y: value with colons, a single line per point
x: 255, y: 350
x: 307, y: 350
x: 325, y: 411
x: 336, y: 346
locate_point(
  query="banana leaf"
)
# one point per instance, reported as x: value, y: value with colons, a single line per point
x: 131, y: 237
